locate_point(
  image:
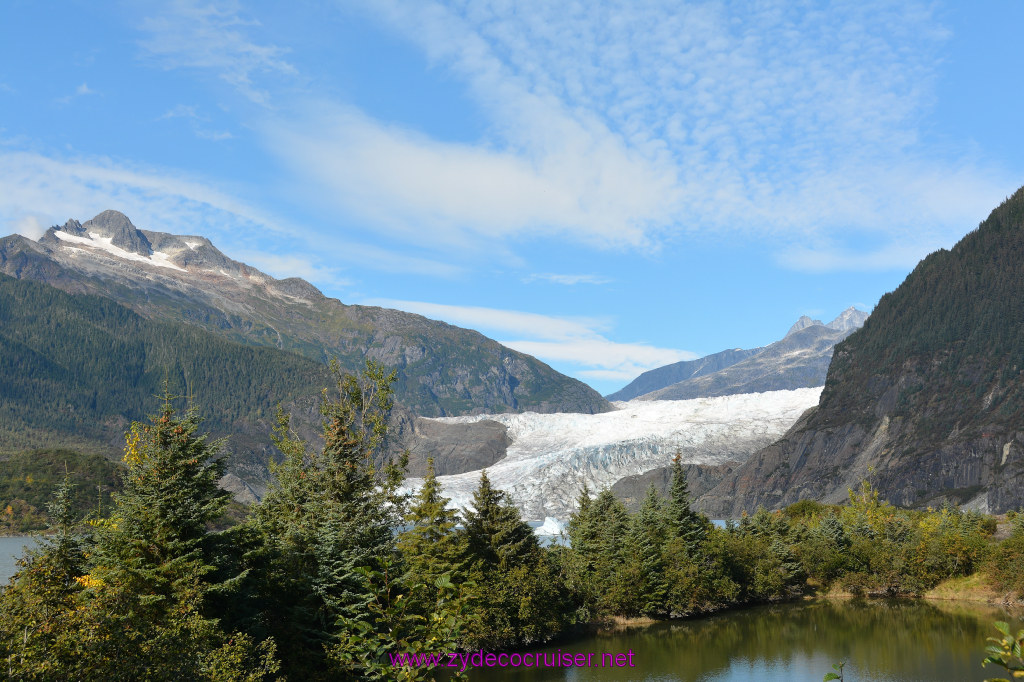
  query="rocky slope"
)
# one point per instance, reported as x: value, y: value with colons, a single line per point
x: 442, y: 369
x: 926, y: 400
x: 798, y: 360
x: 661, y: 377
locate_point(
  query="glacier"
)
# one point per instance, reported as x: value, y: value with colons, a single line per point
x: 551, y: 456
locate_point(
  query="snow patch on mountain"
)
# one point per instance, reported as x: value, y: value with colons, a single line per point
x: 94, y: 240
x: 551, y: 456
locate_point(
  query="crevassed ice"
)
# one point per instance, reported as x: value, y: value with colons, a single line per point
x: 551, y: 456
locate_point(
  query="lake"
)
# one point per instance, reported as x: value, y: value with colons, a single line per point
x: 905, y: 641
x: 10, y: 549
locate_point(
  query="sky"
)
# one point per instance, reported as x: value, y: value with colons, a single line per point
x: 608, y: 186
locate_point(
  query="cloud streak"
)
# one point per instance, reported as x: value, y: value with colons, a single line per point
x: 161, y: 200
x: 201, y: 36
x: 575, y: 341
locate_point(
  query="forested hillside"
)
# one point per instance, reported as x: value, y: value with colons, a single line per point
x: 75, y: 370
x: 441, y: 369
x: 929, y: 395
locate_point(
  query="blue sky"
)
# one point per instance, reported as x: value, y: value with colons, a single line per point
x: 608, y: 186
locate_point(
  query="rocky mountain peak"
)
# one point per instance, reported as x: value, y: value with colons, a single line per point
x: 803, y: 323
x: 116, y: 226
x: 851, y: 318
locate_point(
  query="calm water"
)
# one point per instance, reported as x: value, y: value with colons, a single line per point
x: 10, y: 550
x: 880, y: 641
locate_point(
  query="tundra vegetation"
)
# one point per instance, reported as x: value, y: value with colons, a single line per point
x: 335, y: 568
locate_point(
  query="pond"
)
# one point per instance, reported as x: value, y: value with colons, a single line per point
x: 11, y: 548
x: 905, y: 641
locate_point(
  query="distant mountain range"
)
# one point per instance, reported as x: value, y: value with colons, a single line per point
x: 926, y: 401
x: 442, y: 369
x: 799, y: 360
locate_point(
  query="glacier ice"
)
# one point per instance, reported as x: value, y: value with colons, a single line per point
x: 551, y: 456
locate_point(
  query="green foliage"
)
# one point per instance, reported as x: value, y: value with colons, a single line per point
x: 683, y: 522
x: 327, y: 526
x: 837, y: 673
x: 518, y: 596
x: 76, y: 369
x: 130, y: 601
x: 1006, y: 652
x: 28, y: 481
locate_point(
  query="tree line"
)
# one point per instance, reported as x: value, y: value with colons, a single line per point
x: 336, y: 567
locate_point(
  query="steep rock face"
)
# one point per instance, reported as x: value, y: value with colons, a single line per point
x: 456, y: 448
x: 926, y: 400
x: 442, y: 369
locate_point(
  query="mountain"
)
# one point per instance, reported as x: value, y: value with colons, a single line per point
x: 655, y: 379
x: 547, y: 458
x: 76, y: 370
x: 442, y: 369
x: 798, y: 360
x: 926, y: 400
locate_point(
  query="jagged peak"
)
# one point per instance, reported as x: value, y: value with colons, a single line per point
x: 851, y: 318
x: 116, y: 226
x: 803, y: 323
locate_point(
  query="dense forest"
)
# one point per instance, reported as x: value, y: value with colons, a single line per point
x: 75, y: 370
x: 336, y: 569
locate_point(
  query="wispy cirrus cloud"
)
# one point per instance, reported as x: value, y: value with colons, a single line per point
x: 37, y: 191
x: 770, y: 119
x: 187, y: 34
x: 576, y: 341
x: 627, y: 126
x: 568, y: 280
x: 196, y: 121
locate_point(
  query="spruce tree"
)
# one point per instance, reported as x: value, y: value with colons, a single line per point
x: 145, y: 612
x: 519, y: 595
x: 430, y: 547
x: 683, y: 522
x: 328, y: 560
x: 36, y: 635
x: 497, y: 538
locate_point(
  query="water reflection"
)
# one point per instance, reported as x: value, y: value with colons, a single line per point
x: 885, y: 641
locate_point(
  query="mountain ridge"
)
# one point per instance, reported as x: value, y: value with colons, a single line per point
x: 442, y: 369
x: 799, y: 360
x: 926, y: 400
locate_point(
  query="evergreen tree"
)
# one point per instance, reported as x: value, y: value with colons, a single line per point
x: 497, y: 538
x: 328, y: 523
x: 430, y: 547
x: 144, y: 610
x: 36, y: 639
x: 518, y: 594
x: 684, y: 523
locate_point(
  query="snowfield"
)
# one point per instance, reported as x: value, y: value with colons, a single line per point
x: 551, y: 456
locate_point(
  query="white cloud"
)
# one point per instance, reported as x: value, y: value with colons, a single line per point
x: 28, y: 226
x: 181, y: 111
x: 571, y: 341
x: 195, y: 119
x: 568, y: 280
x: 53, y: 190
x: 81, y: 91
x: 590, y: 188
x: 284, y: 266
x: 764, y: 119
x: 189, y: 35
